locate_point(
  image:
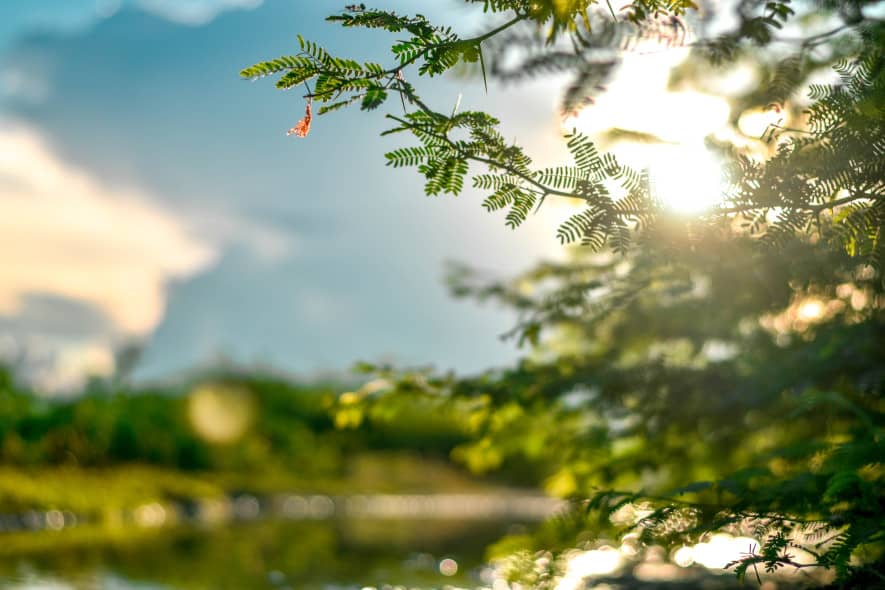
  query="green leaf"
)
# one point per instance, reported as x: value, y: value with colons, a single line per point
x: 373, y: 98
x: 295, y: 77
x: 275, y: 66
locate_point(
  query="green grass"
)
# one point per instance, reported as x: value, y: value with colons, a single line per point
x: 104, y: 499
x: 100, y: 493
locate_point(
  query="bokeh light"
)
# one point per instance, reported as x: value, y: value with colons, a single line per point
x: 220, y: 413
x: 448, y: 567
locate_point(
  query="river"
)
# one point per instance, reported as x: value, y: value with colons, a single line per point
x: 344, y: 544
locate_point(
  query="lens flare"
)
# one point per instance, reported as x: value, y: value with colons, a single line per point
x: 686, y: 179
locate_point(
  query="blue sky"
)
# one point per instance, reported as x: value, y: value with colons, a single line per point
x: 147, y: 193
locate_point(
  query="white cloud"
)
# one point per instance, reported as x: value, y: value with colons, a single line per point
x: 19, y: 84
x: 64, y: 233
x: 194, y: 12
x: 75, y: 16
x: 70, y: 244
x: 226, y: 228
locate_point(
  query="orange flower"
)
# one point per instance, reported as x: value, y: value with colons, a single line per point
x: 302, y: 127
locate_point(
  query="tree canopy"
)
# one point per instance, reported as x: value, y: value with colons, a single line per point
x: 722, y: 372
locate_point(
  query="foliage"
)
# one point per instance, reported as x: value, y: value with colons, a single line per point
x: 125, y: 446
x: 687, y: 376
x: 771, y: 405
x: 838, y: 198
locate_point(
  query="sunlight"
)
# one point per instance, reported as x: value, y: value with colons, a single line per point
x: 811, y: 310
x: 684, y: 556
x: 755, y: 122
x: 719, y: 551
x: 686, y: 179
x: 639, y: 98
x: 672, y: 116
x: 668, y: 128
x: 584, y: 564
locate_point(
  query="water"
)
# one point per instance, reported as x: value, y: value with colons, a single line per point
x: 331, y: 554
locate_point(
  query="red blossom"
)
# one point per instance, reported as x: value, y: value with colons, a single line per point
x: 302, y: 127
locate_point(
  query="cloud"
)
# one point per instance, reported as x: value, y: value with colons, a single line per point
x: 55, y: 342
x: 194, y: 12
x: 64, y: 233
x: 86, y: 267
x: 71, y: 16
x: 27, y: 87
x: 50, y: 317
x: 226, y: 228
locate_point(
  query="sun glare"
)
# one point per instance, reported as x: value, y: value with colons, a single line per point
x: 684, y: 175
x: 686, y: 179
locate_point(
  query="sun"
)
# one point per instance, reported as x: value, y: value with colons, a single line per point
x: 686, y: 179
x: 684, y: 176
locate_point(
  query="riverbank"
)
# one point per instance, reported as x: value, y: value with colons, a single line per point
x: 94, y: 491
x: 127, y: 502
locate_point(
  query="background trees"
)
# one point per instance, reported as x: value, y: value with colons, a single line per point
x: 716, y: 373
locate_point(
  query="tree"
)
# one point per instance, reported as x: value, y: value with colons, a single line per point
x: 716, y: 373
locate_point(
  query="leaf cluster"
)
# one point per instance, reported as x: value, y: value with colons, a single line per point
x: 826, y: 180
x: 829, y: 180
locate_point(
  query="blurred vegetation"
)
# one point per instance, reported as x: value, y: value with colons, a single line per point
x: 102, y: 456
x: 113, y: 448
x: 702, y: 392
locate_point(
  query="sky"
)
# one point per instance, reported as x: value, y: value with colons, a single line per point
x: 149, y: 195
